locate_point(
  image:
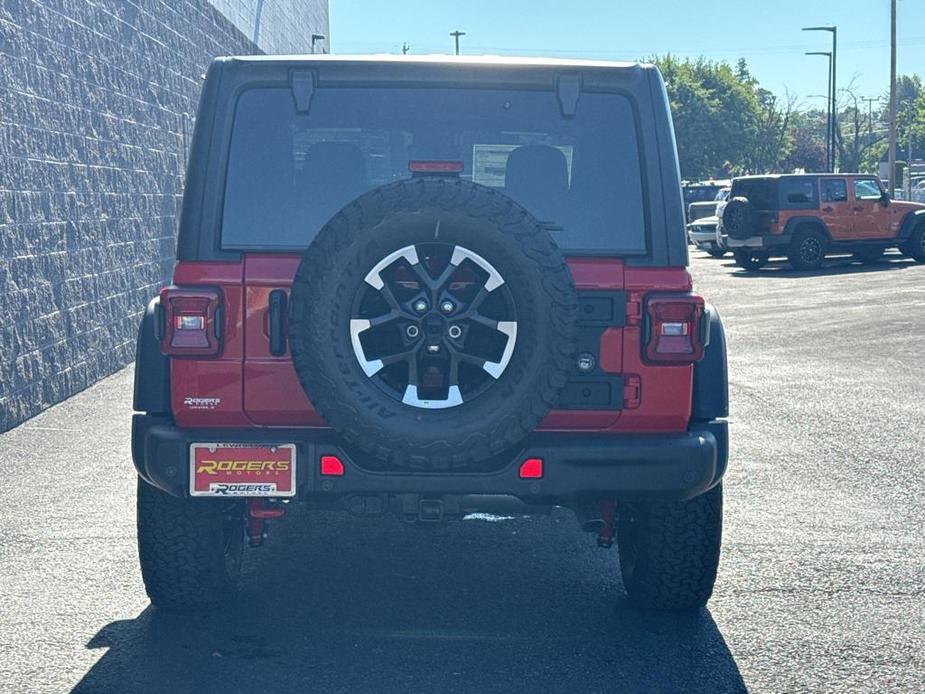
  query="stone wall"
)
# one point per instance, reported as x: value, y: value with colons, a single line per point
x: 96, y: 98
x: 280, y: 26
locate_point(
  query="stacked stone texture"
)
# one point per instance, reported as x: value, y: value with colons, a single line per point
x: 95, y: 103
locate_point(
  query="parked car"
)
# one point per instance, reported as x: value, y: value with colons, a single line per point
x: 706, y: 208
x: 408, y: 286
x: 804, y: 217
x: 702, y: 229
x: 703, y: 192
x: 702, y: 234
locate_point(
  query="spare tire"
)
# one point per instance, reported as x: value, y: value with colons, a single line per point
x: 432, y: 323
x: 737, y: 218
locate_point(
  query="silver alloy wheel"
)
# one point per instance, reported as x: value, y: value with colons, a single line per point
x: 451, y: 351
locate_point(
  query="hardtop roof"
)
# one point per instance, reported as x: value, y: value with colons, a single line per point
x: 439, y: 59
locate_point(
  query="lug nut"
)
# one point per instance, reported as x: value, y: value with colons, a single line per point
x: 420, y: 305
x: 433, y: 349
x: 447, y: 307
x: 412, y: 331
x: 455, y: 331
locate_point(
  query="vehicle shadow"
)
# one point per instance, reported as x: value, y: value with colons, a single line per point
x: 836, y: 265
x: 373, y: 605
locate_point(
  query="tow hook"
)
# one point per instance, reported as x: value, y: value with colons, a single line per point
x: 258, y: 512
x: 607, y: 528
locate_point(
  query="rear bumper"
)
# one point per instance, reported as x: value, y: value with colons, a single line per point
x: 702, y: 237
x: 770, y: 241
x: 665, y: 466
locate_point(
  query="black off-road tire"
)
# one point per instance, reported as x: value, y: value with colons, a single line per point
x: 189, y: 549
x: 715, y: 251
x: 914, y: 247
x: 738, y: 219
x: 807, y: 250
x: 669, y: 551
x: 387, y: 219
x: 749, y: 260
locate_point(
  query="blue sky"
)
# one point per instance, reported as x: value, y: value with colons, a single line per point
x: 765, y: 32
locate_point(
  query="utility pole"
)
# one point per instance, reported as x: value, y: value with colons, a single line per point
x: 405, y: 48
x: 892, y: 155
x: 456, y: 34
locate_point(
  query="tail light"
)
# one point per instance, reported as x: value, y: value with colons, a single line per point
x: 677, y: 328
x: 191, y: 321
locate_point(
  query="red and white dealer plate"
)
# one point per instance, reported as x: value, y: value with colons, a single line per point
x: 232, y: 469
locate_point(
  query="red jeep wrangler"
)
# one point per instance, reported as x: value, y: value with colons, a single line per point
x: 804, y: 217
x: 430, y: 287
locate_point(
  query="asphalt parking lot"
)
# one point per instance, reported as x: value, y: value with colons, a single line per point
x: 820, y: 586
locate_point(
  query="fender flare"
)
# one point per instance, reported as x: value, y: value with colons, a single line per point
x: 909, y: 223
x: 152, y: 368
x: 791, y: 226
x: 710, y: 391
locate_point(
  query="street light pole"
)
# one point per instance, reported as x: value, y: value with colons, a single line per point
x: 829, y: 144
x: 456, y: 34
x: 833, y: 88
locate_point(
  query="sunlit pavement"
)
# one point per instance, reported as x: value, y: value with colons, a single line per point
x: 820, y: 587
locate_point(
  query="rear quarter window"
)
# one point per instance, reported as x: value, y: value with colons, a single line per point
x: 761, y: 192
x: 798, y: 193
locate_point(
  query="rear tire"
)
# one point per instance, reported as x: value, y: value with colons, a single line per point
x: 750, y: 260
x: 915, y: 246
x: 807, y: 251
x: 669, y: 551
x: 189, y: 549
x: 715, y: 251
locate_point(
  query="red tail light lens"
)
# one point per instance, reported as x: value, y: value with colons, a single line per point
x: 192, y: 323
x: 676, y: 328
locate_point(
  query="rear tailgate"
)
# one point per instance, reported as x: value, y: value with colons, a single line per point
x: 621, y: 392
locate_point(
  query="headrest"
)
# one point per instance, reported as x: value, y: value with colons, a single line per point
x: 537, y: 177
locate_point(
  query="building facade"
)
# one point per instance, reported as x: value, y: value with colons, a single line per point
x: 96, y: 103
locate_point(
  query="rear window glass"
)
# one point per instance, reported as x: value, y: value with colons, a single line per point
x: 289, y: 172
x: 834, y: 190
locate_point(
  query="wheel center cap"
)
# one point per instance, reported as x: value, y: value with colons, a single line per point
x: 434, y: 325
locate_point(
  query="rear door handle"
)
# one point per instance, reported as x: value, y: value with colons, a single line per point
x: 859, y: 208
x: 277, y: 322
x: 828, y: 209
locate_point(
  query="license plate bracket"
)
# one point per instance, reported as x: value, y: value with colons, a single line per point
x: 242, y: 470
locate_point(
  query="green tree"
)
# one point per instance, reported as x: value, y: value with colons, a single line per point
x: 807, y: 137
x: 724, y: 121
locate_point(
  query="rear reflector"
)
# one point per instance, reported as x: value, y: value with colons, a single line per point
x: 192, y: 324
x: 531, y: 468
x: 422, y: 166
x: 676, y: 328
x: 331, y: 466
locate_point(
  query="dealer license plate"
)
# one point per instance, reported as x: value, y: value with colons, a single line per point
x: 231, y: 469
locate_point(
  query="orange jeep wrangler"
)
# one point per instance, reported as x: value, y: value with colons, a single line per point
x: 804, y: 217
